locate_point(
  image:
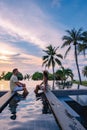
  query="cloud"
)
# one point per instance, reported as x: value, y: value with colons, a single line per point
x: 36, y: 27
x: 11, y: 57
x: 26, y: 21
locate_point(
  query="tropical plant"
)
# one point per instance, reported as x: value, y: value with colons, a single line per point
x: 63, y: 74
x: 51, y: 58
x: 73, y: 38
x: 27, y: 76
x: 84, y: 71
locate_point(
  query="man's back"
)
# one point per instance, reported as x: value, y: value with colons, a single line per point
x: 13, y: 80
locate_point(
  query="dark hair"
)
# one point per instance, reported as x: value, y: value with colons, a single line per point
x: 14, y: 70
x: 45, y: 73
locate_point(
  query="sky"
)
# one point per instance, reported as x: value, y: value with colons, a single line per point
x: 29, y: 26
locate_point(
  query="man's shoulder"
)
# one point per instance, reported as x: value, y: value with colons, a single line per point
x: 13, y: 77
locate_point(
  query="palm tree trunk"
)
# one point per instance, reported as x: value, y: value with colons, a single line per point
x: 53, y: 77
x: 76, y: 59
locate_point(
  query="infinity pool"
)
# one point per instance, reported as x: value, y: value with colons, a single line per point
x: 32, y: 113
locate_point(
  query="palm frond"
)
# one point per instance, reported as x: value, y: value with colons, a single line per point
x: 82, y: 48
x: 59, y: 56
x: 79, y: 32
x: 56, y: 48
x: 67, y: 51
x: 84, y: 37
x: 46, y: 51
x: 58, y: 61
x: 69, y: 32
x: 67, y: 38
x: 49, y: 62
x: 44, y: 62
x: 67, y: 42
x: 45, y: 57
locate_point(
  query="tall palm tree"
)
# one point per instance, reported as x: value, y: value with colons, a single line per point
x: 73, y: 38
x: 84, y: 71
x: 51, y: 58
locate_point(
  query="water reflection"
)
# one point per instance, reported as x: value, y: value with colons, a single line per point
x: 45, y: 106
x: 14, y: 103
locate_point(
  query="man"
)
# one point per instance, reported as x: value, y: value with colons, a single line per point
x: 15, y: 85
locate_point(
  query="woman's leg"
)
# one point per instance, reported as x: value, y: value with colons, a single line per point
x: 36, y: 89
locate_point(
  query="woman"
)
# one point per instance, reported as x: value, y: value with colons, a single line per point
x: 45, y: 83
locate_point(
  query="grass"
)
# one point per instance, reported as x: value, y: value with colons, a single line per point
x: 84, y: 83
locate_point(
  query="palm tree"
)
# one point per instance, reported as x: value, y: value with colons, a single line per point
x: 84, y: 71
x: 64, y: 74
x: 68, y: 73
x: 51, y: 58
x: 73, y: 38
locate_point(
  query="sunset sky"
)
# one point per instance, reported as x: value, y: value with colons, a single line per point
x: 28, y: 26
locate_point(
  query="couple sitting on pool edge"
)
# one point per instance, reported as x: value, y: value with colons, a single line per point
x: 15, y: 85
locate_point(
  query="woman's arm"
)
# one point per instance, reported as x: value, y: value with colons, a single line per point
x: 41, y: 83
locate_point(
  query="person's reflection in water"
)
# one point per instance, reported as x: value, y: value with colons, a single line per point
x: 14, y: 103
x: 46, y: 108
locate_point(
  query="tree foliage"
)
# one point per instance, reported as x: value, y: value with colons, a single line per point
x: 8, y: 75
x: 51, y: 58
x: 63, y: 74
x: 27, y: 76
x: 37, y: 76
x: 84, y: 71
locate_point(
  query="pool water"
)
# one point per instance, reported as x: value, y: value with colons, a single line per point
x: 31, y: 113
x: 28, y: 113
x: 80, y: 109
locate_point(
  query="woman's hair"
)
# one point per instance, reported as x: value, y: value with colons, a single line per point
x: 45, y: 73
